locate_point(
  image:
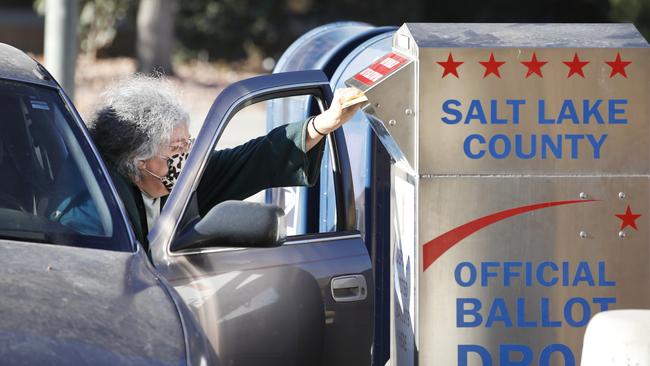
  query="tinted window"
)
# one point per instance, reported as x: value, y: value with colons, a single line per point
x: 49, y: 188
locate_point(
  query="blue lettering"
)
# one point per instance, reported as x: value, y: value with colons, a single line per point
x: 514, y: 355
x: 494, y: 119
x: 459, y: 275
x: 597, y: 144
x: 475, y: 111
x: 574, y: 144
x: 540, y: 274
x: 453, y: 112
x: 547, y: 143
x: 568, y: 312
x: 546, y: 315
x: 542, y: 120
x: 602, y: 281
x: 545, y: 356
x: 506, y: 350
x: 521, y: 315
x: 462, y: 311
x: 519, y: 147
x: 568, y: 111
x: 604, y: 302
x: 614, y: 119
x: 583, y: 274
x: 565, y: 274
x: 498, y: 313
x: 464, y: 349
x: 506, y: 146
x: 594, y: 110
x: 515, y: 108
x: 467, y: 146
x: 486, y: 273
x: 529, y: 274
x: 508, y: 272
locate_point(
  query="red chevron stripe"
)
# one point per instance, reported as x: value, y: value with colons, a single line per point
x: 438, y: 246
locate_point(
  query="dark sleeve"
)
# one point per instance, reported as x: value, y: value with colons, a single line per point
x: 278, y: 159
x: 132, y: 200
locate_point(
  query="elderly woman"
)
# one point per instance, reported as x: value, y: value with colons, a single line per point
x: 142, y: 134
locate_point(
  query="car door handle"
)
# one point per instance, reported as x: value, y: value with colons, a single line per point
x: 349, y: 288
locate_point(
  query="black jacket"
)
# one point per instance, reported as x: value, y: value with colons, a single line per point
x: 278, y: 159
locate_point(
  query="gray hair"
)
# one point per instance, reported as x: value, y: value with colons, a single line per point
x: 137, y: 117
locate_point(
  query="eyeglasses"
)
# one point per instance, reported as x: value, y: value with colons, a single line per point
x: 181, y: 146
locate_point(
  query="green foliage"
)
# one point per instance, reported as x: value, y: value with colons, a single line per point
x: 232, y: 29
x: 238, y: 29
x: 634, y: 11
x: 97, y: 22
x: 39, y: 6
x: 228, y: 28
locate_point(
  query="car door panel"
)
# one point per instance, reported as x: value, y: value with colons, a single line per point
x: 274, y: 306
x: 271, y: 306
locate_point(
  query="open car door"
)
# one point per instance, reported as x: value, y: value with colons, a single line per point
x: 305, y: 300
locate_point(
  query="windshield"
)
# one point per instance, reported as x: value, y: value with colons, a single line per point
x: 49, y: 188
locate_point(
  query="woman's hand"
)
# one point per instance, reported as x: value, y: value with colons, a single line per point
x: 332, y: 118
x: 336, y: 116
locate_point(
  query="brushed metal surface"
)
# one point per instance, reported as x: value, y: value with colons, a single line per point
x: 500, y: 35
x: 455, y: 187
x: 550, y: 234
x: 390, y: 103
x: 404, y: 268
x: 441, y: 146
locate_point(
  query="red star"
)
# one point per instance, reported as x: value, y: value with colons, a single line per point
x: 618, y: 66
x: 534, y: 66
x: 491, y: 66
x: 575, y: 66
x: 628, y: 218
x: 450, y: 66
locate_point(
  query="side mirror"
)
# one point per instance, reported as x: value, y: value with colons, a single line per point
x: 235, y: 224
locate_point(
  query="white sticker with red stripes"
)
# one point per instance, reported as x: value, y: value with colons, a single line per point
x: 384, y: 66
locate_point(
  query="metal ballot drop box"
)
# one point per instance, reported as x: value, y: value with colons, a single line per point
x: 519, y: 181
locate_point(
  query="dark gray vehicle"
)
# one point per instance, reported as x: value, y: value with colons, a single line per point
x: 267, y: 299
x: 84, y: 292
x: 73, y: 291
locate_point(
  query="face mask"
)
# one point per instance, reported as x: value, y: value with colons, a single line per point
x: 174, y: 166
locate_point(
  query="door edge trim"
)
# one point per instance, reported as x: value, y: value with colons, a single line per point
x: 288, y: 242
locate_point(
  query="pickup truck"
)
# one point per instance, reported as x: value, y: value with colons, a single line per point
x: 87, y: 293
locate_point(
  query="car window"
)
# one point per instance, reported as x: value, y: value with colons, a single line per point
x: 253, y: 121
x: 327, y: 198
x: 49, y: 188
x: 248, y: 123
x: 308, y: 217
